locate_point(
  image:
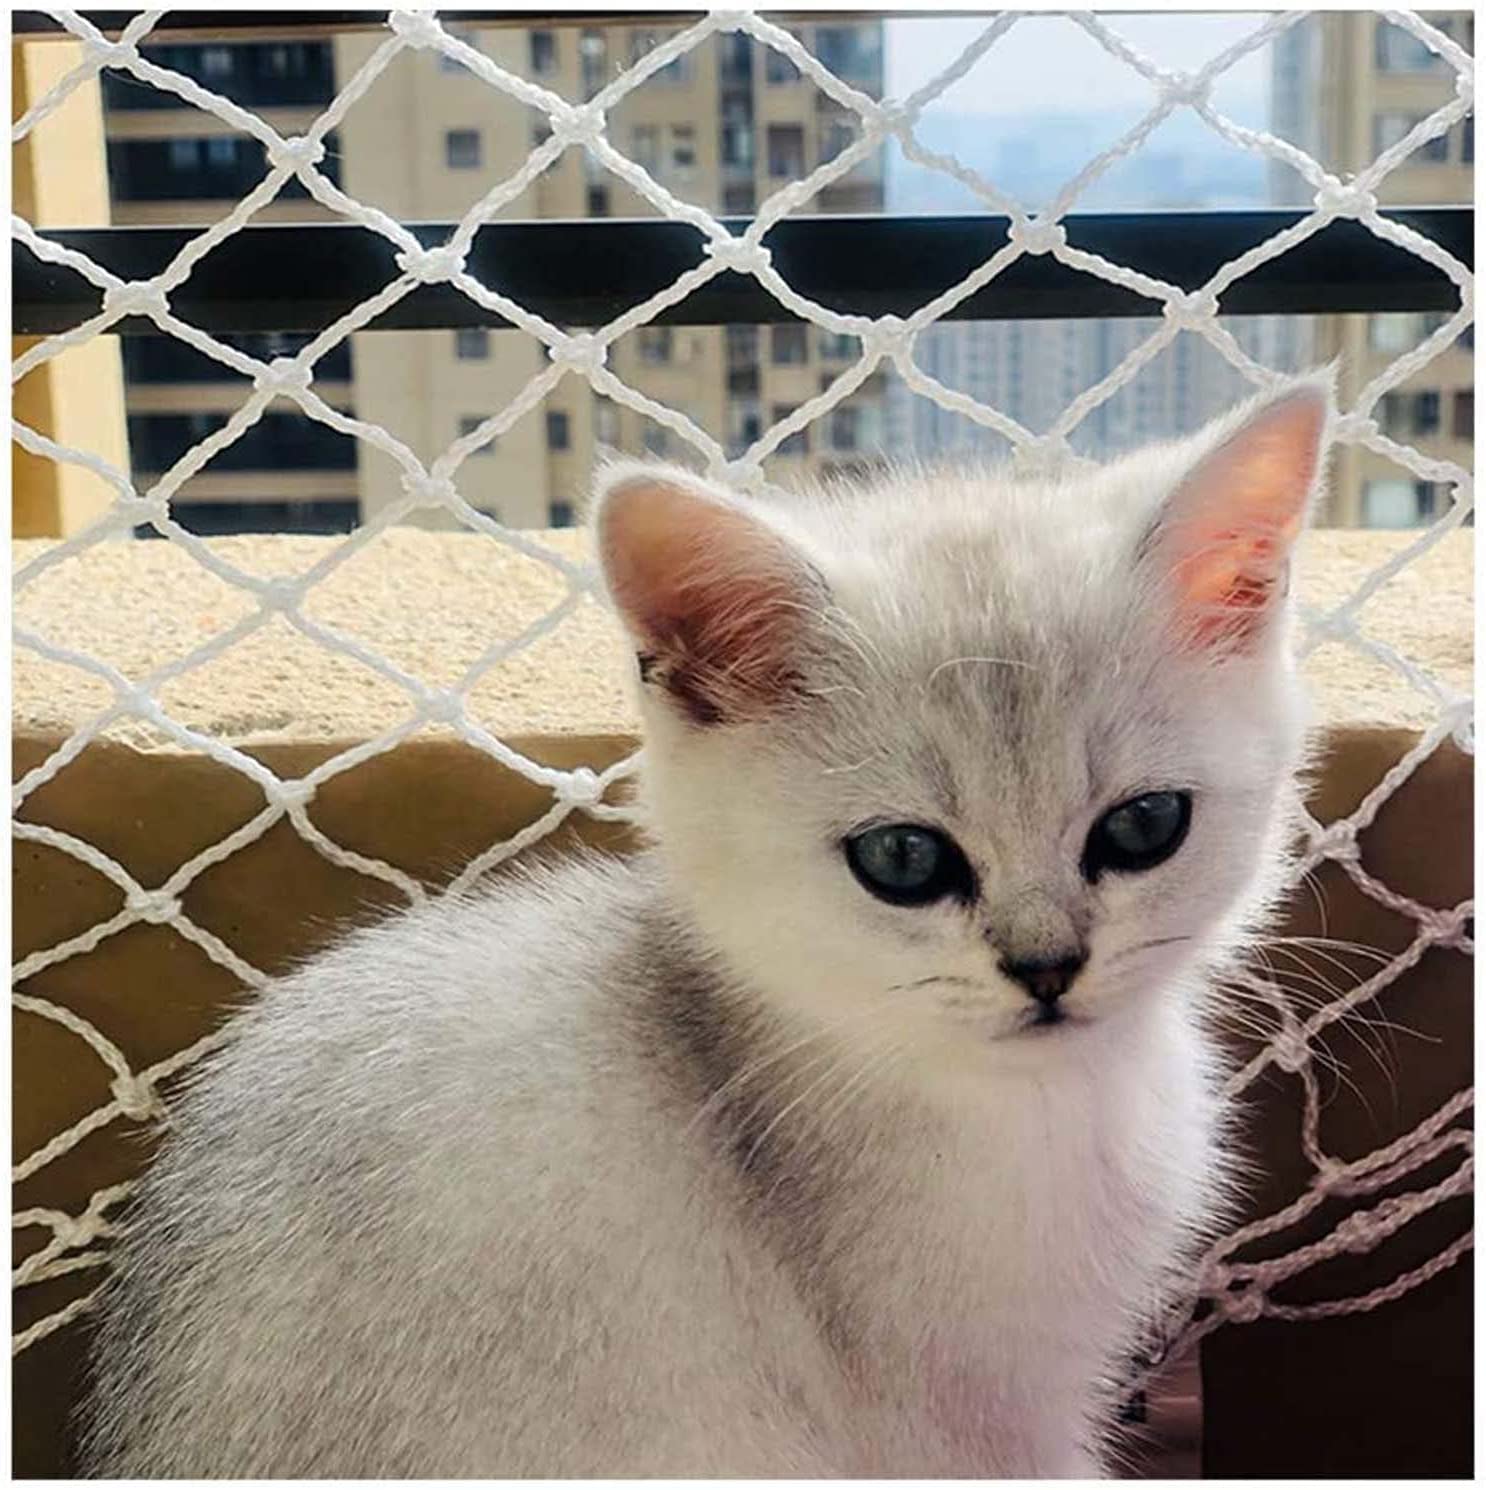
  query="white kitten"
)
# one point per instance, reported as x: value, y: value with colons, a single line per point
x: 855, y: 1129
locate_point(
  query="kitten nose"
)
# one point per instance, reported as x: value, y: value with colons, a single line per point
x: 1046, y: 979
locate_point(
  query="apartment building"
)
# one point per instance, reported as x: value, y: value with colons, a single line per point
x: 171, y: 163
x: 722, y: 127
x: 1346, y: 86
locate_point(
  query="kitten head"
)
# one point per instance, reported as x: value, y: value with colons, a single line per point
x: 984, y: 762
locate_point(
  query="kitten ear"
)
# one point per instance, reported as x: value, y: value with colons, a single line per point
x: 1225, y: 535
x: 716, y: 601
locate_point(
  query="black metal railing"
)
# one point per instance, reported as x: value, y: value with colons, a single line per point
x: 292, y: 277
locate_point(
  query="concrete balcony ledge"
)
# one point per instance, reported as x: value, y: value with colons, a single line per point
x: 432, y: 604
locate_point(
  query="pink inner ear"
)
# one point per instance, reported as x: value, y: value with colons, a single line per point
x: 1230, y: 526
x: 714, y: 596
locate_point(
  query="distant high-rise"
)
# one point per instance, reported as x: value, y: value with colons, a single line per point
x: 1347, y: 85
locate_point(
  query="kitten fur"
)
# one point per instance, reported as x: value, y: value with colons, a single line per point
x: 708, y: 1162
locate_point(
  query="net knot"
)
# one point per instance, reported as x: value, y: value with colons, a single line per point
x: 742, y: 474
x: 137, y: 1097
x: 293, y: 794
x: 297, y: 151
x: 1046, y: 455
x: 1353, y: 1233
x: 891, y: 117
x: 581, y: 788
x: 1243, y: 1307
x: 280, y: 592
x: 104, y: 53
x: 140, y: 510
x: 1337, y: 198
x: 77, y: 1231
x: 432, y: 491
x: 1191, y: 311
x: 138, y: 297
x: 1336, y: 840
x: 283, y: 375
x: 884, y: 336
x: 441, y: 706
x: 1354, y: 427
x: 582, y: 124
x: 1038, y: 235
x: 1291, y: 1053
x: 153, y: 906
x: 1186, y: 88
x: 418, y: 28
x: 738, y: 254
x: 584, y: 352
x: 431, y: 266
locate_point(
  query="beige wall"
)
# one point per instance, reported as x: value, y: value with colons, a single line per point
x: 61, y: 181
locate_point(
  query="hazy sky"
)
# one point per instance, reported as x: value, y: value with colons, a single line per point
x: 1047, y: 64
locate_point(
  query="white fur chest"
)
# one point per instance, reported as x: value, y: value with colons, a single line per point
x: 1012, y: 1264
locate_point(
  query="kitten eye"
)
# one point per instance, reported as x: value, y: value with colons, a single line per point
x: 1138, y: 834
x: 905, y: 864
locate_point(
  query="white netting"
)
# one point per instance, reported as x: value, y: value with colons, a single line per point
x: 1233, y: 1291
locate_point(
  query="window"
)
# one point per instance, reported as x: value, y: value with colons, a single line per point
x: 221, y: 152
x: 737, y: 57
x: 846, y: 428
x: 560, y: 515
x: 183, y: 155
x: 834, y: 138
x: 462, y: 149
x: 543, y: 51
x: 472, y: 344
x: 277, y: 442
x: 1391, y: 415
x: 778, y: 68
x: 737, y: 144
x: 1398, y: 50
x: 786, y: 150
x: 850, y: 52
x: 1401, y: 331
x: 1389, y: 503
x: 1468, y: 140
x: 593, y: 62
x: 655, y: 438
x: 654, y: 343
x: 748, y: 425
x: 1389, y: 129
x: 737, y: 199
x: 788, y: 344
x: 605, y: 420
x: 1426, y: 412
x: 216, y: 518
x: 216, y: 62
x: 683, y: 147
x: 598, y: 201
x: 468, y: 424
x: 645, y: 146
x: 796, y: 444
x: 644, y: 42
x: 1463, y: 424
x: 837, y: 346
x: 557, y: 432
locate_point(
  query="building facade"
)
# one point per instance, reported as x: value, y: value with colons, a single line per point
x: 1347, y: 85
x: 722, y: 127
